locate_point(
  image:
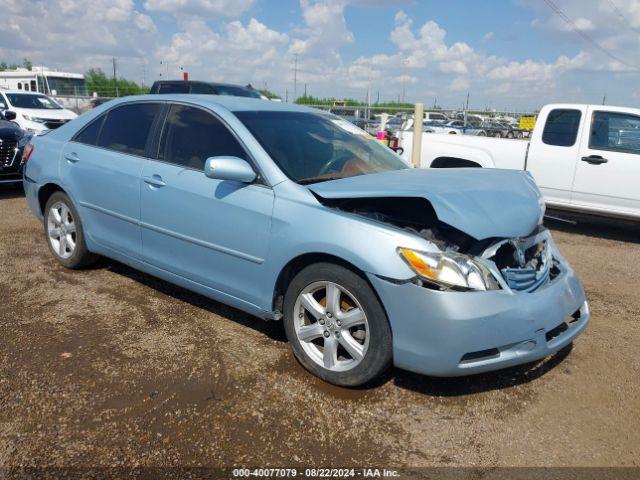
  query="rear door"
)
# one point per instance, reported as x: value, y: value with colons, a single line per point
x: 213, y: 232
x: 609, y: 163
x: 554, y: 151
x: 101, y: 167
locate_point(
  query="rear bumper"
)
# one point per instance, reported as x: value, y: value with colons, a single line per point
x: 31, y: 194
x: 461, y: 333
x: 6, y: 179
x: 11, y: 175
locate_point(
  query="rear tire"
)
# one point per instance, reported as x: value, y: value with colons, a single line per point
x: 337, y: 328
x: 64, y: 233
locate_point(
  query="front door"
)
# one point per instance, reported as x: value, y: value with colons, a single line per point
x: 213, y: 232
x: 102, y: 166
x: 609, y: 163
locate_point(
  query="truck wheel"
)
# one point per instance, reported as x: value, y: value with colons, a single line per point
x: 336, y: 325
x: 65, y: 236
x: 509, y: 134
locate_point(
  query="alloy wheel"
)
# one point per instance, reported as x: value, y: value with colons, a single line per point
x: 331, y: 326
x: 61, y: 229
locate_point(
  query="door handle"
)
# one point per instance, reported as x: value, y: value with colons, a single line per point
x: 595, y: 159
x: 72, y: 157
x: 155, y: 181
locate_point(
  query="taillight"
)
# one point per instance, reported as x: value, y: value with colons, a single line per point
x: 26, y: 153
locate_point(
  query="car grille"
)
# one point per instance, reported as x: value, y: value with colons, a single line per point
x: 8, y: 155
x: 525, y: 263
x: 53, y: 124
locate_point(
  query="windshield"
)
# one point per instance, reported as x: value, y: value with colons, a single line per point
x: 27, y: 100
x: 310, y: 147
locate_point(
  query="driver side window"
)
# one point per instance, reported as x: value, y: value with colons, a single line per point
x: 191, y: 135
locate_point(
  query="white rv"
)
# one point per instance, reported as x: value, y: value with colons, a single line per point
x: 69, y: 89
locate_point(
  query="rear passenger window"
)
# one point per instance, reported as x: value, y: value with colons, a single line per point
x: 89, y: 134
x: 561, y: 128
x: 127, y: 128
x: 203, y: 89
x: 191, y: 135
x: 615, y: 131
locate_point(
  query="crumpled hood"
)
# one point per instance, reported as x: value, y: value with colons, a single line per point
x: 481, y: 202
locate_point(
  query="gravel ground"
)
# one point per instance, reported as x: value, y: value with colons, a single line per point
x: 111, y: 367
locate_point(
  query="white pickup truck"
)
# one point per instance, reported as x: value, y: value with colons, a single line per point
x: 583, y: 157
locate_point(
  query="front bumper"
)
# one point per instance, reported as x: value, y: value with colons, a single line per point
x: 448, y: 333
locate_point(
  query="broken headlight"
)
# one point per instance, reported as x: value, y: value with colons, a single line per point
x: 450, y: 270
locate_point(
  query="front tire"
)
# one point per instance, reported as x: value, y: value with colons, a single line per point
x: 64, y: 233
x: 336, y: 325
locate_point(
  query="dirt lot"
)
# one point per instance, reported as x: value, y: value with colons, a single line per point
x: 109, y: 366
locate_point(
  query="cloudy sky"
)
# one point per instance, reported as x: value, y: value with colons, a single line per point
x: 509, y: 54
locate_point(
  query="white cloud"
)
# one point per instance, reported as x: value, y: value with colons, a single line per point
x: 212, y: 44
x: 224, y: 8
x: 75, y: 35
x: 240, y: 53
x: 487, y: 37
x: 614, y: 25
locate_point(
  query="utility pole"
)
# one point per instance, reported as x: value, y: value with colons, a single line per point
x: 115, y: 79
x: 166, y: 64
x: 295, y: 78
x: 467, y: 103
x: 404, y: 76
x: 144, y: 75
x: 604, y: 99
x: 305, y: 89
x: 369, y: 96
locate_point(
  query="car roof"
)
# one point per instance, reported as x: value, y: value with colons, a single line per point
x: 231, y: 103
x: 25, y: 92
x: 188, y: 82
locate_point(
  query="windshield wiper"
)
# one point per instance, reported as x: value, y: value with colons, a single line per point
x: 320, y: 178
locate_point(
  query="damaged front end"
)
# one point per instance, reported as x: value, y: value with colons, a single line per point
x: 458, y: 261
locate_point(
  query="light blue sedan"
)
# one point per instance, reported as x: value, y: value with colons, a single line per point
x: 293, y: 214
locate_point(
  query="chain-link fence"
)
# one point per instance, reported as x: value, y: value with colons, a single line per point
x: 357, y: 113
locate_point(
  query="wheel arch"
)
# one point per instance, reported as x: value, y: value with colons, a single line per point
x: 45, y: 192
x: 298, y: 263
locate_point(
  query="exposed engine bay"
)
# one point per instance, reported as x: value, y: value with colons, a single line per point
x: 525, y: 263
x: 409, y: 213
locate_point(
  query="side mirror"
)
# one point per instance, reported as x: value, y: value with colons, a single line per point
x: 229, y: 168
x: 9, y: 115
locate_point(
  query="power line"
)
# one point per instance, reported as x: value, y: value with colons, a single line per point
x: 623, y: 16
x: 587, y: 37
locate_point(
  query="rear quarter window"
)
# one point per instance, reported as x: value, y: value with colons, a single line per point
x: 126, y: 128
x: 561, y: 127
x: 89, y: 134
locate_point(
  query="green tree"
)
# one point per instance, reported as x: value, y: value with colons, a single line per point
x: 268, y: 93
x: 26, y: 63
x: 97, y: 81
